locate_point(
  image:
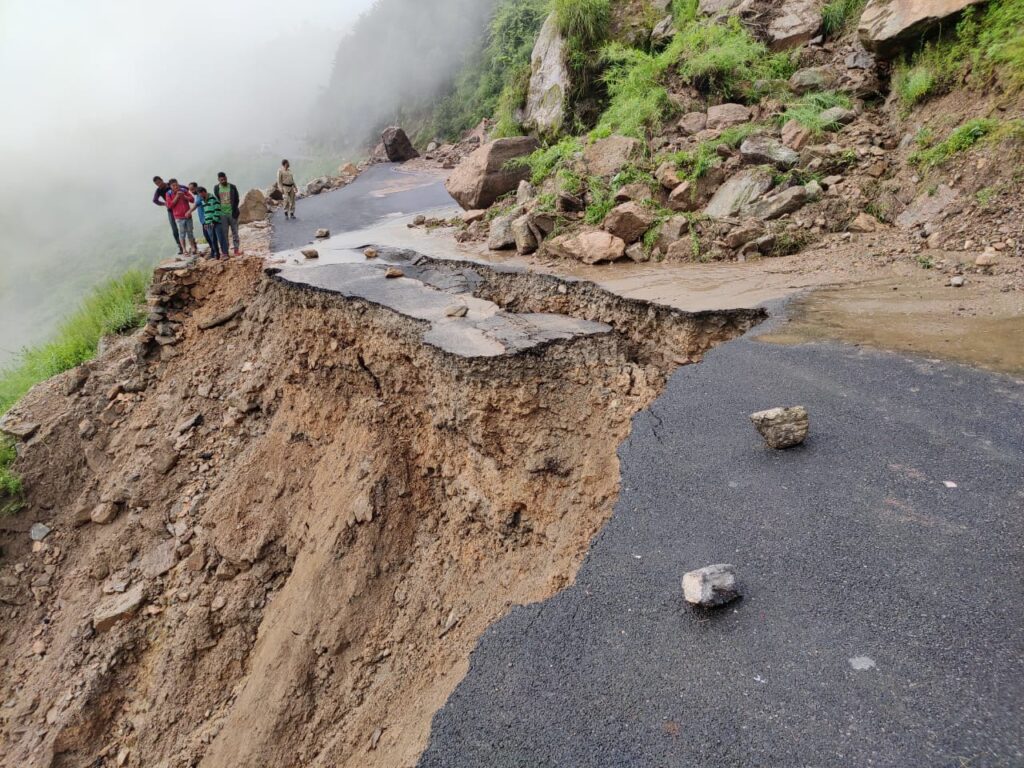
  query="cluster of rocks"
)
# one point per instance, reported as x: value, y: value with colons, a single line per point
x: 169, y: 294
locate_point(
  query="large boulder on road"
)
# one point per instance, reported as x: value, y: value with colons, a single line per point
x: 397, y: 146
x: 485, y: 175
x: 590, y: 247
x: 887, y: 27
x: 549, y: 82
x: 253, y: 207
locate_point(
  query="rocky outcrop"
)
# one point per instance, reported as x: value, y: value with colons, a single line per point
x: 549, y: 82
x: 888, y: 26
x: 397, y: 146
x: 590, y: 247
x: 739, y: 191
x: 608, y: 156
x: 253, y: 207
x: 486, y: 175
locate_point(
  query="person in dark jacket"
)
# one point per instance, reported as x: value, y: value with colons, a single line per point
x: 227, y: 194
x: 160, y: 198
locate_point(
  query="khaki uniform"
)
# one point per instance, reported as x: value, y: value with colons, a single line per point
x: 286, y: 183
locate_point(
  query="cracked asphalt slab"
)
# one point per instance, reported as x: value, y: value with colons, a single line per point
x: 880, y: 623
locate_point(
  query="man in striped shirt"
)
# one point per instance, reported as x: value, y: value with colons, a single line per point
x: 211, y: 217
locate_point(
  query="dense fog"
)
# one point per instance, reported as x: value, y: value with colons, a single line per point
x: 100, y: 96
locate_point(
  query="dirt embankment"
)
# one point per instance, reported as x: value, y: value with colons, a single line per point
x: 308, y: 518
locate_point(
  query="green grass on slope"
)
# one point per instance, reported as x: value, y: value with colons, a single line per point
x: 840, y: 15
x: 965, y: 137
x: 113, y: 307
x: 986, y: 45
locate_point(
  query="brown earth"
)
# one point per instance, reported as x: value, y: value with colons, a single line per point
x: 315, y: 517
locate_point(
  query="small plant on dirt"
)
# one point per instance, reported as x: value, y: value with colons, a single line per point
x: 10, y: 483
x: 807, y: 111
x: 601, y: 200
x: 966, y: 137
x: 694, y: 164
x: 545, y: 161
x: 787, y: 243
x: 987, y: 195
x: 924, y: 261
x: 838, y: 16
x: 114, y: 307
x: 725, y: 59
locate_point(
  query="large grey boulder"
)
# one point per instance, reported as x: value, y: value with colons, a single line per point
x: 485, y: 175
x: 629, y: 221
x: 549, y: 82
x: 522, y: 234
x: 608, y: 156
x: 765, y: 149
x: 501, y: 235
x: 739, y: 191
x: 887, y: 27
x: 797, y: 23
x: 397, y: 146
x: 253, y: 207
x: 589, y: 247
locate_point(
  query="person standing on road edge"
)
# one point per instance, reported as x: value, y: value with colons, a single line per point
x: 160, y: 198
x: 179, y: 201
x: 197, y: 208
x: 227, y: 194
x: 286, y: 183
x: 210, y: 206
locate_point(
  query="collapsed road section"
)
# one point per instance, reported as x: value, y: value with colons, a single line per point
x: 280, y: 520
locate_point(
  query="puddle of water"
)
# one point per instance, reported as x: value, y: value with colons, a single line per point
x: 925, y: 318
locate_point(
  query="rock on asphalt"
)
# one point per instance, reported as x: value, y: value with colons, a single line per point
x: 879, y: 625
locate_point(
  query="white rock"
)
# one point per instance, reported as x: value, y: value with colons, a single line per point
x: 711, y: 586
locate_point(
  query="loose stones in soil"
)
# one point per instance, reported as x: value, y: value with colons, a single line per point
x: 782, y: 427
x: 711, y: 586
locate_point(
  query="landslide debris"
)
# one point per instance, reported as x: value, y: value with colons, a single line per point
x: 279, y: 521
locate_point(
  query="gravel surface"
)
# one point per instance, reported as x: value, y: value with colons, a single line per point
x: 880, y: 623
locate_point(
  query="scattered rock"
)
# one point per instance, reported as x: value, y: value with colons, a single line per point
x: 629, y: 221
x: 86, y: 429
x: 118, y: 608
x: 322, y: 233
x: 191, y: 421
x: 837, y: 116
x: 393, y: 272
x: 957, y: 281
x: 797, y: 23
x: 525, y: 192
x: 863, y: 222
x: 525, y: 239
x: 782, y: 427
x: 17, y: 428
x: 711, y: 586
x: 310, y: 253
x: 762, y: 149
x: 787, y: 201
x: 473, y: 216
x: 501, y: 237
x: 588, y: 247
x: 928, y: 206
x: 795, y: 136
x: 38, y: 532
x: 668, y: 175
x: 608, y: 156
x: 811, y: 79
x: 159, y: 560
x: 485, y: 175
x: 549, y: 82
x: 456, y: 310
x: 692, y: 122
x: 370, y: 253
x: 104, y: 513
x: 222, y: 318
x: 663, y: 32
x: 397, y: 146
x: 736, y: 193
x: 987, y: 259
x: 725, y: 115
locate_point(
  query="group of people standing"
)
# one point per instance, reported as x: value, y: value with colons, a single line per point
x: 218, y: 213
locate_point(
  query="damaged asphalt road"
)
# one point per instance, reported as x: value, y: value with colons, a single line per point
x: 879, y: 624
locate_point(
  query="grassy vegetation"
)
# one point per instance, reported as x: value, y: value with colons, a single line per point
x: 725, y: 59
x: 964, y: 138
x: 113, y: 307
x: 695, y: 163
x: 584, y: 23
x: 985, y: 45
x: 494, y: 83
x: 637, y: 102
x: 840, y: 15
x: 551, y: 159
x: 807, y: 110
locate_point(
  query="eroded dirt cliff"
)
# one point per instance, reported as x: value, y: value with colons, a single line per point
x: 275, y: 541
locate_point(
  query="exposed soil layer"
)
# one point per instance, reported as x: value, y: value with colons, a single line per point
x: 309, y: 517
